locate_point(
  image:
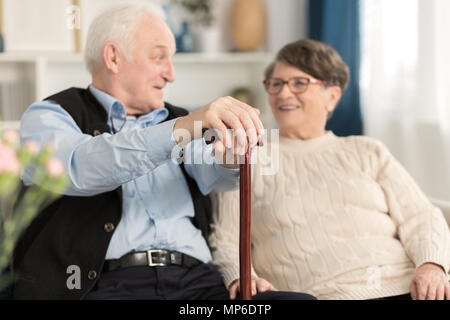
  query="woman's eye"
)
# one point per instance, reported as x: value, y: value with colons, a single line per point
x: 276, y: 84
x: 299, y: 83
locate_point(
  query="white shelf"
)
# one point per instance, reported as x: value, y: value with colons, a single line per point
x: 36, y: 56
x: 251, y: 57
x: 10, y: 125
x: 222, y: 57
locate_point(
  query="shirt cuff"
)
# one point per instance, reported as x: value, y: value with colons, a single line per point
x: 227, y: 172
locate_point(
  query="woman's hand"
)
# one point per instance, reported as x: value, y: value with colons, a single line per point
x: 258, y: 285
x: 430, y: 283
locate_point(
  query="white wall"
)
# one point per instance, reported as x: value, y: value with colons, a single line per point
x: 197, y: 82
x: 286, y: 22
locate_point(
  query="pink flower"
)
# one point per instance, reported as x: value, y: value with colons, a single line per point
x: 54, y: 167
x: 32, y: 147
x: 8, y: 160
x: 50, y: 147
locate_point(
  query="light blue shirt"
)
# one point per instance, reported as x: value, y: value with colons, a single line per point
x: 157, y: 206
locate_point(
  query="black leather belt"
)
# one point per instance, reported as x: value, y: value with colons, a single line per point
x: 152, y: 258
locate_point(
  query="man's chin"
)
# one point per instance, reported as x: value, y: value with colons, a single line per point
x: 157, y: 105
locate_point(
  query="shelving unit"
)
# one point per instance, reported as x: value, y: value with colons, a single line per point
x: 200, y: 77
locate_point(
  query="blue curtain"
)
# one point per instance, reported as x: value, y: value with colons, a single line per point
x: 336, y: 22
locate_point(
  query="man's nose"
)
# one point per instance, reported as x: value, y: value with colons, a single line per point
x: 169, y: 72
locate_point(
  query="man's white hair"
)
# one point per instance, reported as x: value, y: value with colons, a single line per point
x: 116, y: 25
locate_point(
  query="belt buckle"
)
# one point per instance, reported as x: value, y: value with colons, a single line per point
x: 150, y: 258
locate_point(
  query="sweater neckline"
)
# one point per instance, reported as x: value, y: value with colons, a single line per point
x: 298, y: 145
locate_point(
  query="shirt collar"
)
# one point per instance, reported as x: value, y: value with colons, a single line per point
x: 116, y: 111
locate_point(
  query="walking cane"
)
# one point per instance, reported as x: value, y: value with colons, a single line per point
x: 245, y: 202
x: 245, y: 278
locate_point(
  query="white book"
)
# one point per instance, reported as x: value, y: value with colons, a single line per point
x: 31, y: 25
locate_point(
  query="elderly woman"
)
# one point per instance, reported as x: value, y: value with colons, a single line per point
x: 341, y: 219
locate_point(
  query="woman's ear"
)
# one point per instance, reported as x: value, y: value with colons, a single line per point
x: 334, y: 95
x: 111, y: 57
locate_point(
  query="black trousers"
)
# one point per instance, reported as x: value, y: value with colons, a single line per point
x: 400, y: 297
x: 202, y: 282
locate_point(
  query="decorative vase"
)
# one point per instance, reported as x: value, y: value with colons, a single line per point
x: 185, y: 41
x: 243, y: 94
x: 1, y: 43
x: 207, y: 40
x: 248, y: 24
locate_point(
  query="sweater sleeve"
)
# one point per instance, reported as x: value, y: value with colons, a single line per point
x: 421, y: 226
x: 224, y: 238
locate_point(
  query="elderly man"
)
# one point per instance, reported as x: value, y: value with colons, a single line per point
x: 128, y: 226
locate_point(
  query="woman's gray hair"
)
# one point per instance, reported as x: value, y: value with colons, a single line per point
x: 268, y: 72
x: 116, y: 25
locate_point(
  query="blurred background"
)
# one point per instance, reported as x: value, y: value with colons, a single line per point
x: 397, y: 51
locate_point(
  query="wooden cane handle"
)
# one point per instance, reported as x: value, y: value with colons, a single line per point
x: 211, y: 139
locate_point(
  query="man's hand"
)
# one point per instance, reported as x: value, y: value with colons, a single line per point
x: 430, y: 283
x: 221, y: 115
x: 258, y: 285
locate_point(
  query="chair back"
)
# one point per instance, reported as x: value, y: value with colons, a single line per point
x: 444, y: 206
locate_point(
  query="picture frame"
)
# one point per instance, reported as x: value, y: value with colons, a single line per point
x: 1, y: 17
x: 37, y: 26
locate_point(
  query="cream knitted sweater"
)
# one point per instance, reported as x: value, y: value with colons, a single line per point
x: 341, y: 219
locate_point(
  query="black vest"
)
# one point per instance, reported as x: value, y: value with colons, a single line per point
x: 77, y: 230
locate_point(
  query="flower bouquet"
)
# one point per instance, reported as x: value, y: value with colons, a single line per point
x: 19, y: 204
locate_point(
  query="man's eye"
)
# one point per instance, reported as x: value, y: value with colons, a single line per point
x: 158, y: 56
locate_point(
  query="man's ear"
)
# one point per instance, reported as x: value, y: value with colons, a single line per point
x: 334, y: 95
x: 111, y: 57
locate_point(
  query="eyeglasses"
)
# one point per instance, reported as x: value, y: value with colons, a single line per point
x: 296, y: 85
